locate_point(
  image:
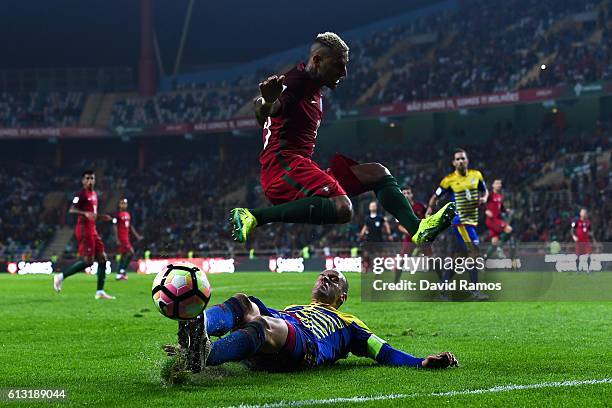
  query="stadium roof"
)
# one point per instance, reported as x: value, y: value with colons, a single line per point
x: 92, y: 33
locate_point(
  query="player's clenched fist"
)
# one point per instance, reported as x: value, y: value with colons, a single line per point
x: 271, y: 88
x: 441, y: 360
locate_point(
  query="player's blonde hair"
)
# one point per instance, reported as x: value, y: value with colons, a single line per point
x: 332, y: 41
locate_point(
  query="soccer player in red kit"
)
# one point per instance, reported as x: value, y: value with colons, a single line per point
x: 419, y: 210
x: 582, y: 234
x: 498, y: 228
x: 123, y: 227
x: 290, y: 110
x: 85, y: 206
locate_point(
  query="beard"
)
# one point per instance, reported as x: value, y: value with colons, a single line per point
x: 325, y: 294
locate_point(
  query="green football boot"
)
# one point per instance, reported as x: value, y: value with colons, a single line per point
x: 432, y: 226
x: 243, y: 224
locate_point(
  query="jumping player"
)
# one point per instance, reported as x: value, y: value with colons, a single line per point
x: 85, y: 206
x: 468, y: 190
x: 298, y: 337
x: 290, y: 110
x: 499, y: 230
x: 123, y: 226
x: 582, y: 234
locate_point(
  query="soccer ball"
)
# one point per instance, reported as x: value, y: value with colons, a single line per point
x: 181, y: 291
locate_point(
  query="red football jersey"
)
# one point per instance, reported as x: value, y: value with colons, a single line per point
x: 86, y: 200
x: 419, y: 209
x: 294, y: 130
x: 582, y: 229
x: 495, y: 204
x: 123, y: 221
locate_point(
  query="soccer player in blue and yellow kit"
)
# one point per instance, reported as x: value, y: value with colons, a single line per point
x: 297, y: 337
x: 469, y: 191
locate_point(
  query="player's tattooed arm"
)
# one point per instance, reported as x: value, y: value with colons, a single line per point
x: 268, y: 104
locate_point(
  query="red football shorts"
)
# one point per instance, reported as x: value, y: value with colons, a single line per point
x: 90, y: 243
x: 583, y: 248
x: 125, y: 247
x: 293, y: 177
x: 496, y: 227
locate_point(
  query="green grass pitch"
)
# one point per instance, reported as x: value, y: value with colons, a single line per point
x: 109, y: 353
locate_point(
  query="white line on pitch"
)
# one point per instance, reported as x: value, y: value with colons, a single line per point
x: 499, y: 388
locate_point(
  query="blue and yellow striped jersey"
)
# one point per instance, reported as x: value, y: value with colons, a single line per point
x: 336, y: 333
x: 465, y: 192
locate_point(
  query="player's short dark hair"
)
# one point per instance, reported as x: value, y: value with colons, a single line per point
x: 407, y: 187
x: 458, y: 150
x: 88, y: 172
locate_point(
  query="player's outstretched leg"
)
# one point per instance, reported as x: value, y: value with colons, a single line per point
x: 376, y: 177
x: 262, y: 333
x: 78, y: 266
x: 309, y: 210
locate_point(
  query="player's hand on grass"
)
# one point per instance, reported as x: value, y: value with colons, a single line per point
x: 271, y: 88
x: 441, y: 360
x: 171, y: 349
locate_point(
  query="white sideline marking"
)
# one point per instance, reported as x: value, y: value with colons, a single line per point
x: 499, y: 388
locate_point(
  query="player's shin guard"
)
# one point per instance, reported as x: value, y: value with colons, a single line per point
x: 391, y: 198
x: 224, y: 317
x: 239, y: 345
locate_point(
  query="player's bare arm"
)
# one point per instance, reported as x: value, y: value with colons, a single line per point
x: 87, y: 214
x: 136, y: 234
x: 387, y: 229
x: 431, y: 205
x: 363, y: 231
x: 268, y: 104
x: 115, y: 231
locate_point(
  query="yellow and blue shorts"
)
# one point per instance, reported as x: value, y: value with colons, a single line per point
x: 467, y: 236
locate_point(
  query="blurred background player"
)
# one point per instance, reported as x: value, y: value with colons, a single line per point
x: 290, y: 110
x: 582, y: 234
x: 408, y: 247
x: 499, y: 229
x: 85, y: 206
x: 468, y: 190
x: 123, y: 226
x: 376, y: 228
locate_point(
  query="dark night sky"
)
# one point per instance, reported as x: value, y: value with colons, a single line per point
x: 92, y: 33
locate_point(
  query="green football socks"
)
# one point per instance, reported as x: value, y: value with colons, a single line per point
x: 309, y: 210
x: 391, y: 198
